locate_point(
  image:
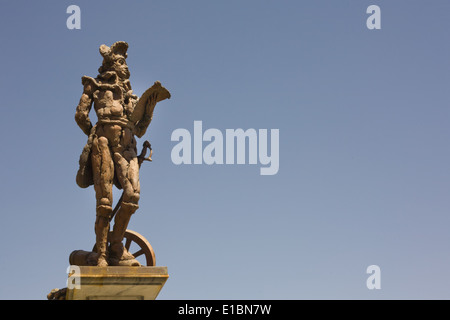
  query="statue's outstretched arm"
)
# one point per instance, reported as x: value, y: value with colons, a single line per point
x: 144, y: 122
x: 143, y: 112
x: 83, y: 108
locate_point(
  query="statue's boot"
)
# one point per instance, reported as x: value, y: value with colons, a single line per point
x: 119, y: 255
x: 101, y: 232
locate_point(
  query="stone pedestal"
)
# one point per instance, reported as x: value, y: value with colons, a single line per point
x: 116, y: 283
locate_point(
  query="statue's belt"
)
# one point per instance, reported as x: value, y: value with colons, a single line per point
x: 124, y: 123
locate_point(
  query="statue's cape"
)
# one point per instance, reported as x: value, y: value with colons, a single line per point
x: 85, y: 177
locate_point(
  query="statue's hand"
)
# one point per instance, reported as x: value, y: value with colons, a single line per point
x: 130, y: 95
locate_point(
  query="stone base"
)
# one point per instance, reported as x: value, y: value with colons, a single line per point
x: 116, y: 283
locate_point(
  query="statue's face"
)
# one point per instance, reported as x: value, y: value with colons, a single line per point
x: 121, y: 68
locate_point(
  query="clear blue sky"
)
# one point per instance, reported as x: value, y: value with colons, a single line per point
x: 364, y: 145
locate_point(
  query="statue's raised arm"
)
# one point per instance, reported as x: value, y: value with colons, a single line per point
x: 143, y: 112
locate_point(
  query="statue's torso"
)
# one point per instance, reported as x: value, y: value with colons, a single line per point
x: 108, y: 103
x: 113, y: 105
x: 112, y: 100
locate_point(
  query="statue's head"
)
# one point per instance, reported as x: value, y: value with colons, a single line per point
x: 114, y: 59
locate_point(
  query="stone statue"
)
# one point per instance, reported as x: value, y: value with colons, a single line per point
x: 110, y: 155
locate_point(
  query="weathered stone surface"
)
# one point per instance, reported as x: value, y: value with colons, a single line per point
x: 118, y: 283
x: 110, y: 156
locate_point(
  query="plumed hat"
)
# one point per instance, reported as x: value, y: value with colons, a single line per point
x: 119, y: 48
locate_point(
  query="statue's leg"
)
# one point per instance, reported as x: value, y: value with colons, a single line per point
x: 103, y: 171
x: 127, y: 169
